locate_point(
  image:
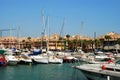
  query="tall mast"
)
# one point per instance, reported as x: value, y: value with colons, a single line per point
x: 94, y: 41
x: 44, y: 31
x: 43, y: 25
x: 62, y: 28
x: 10, y: 37
x: 19, y: 37
x: 48, y: 34
x: 1, y: 33
x: 62, y: 32
x: 82, y: 25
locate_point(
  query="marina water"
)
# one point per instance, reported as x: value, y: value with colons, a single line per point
x: 41, y: 72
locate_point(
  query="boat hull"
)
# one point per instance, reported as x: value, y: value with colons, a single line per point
x: 40, y: 60
x: 97, y: 74
x: 56, y: 61
x: 94, y: 76
x: 3, y: 61
x: 12, y: 62
x: 25, y: 62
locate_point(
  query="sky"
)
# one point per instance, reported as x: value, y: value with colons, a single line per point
x: 83, y: 17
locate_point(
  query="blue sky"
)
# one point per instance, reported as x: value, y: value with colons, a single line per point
x: 100, y: 16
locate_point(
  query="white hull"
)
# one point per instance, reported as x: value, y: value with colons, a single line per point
x: 25, y: 61
x: 99, y: 76
x: 12, y: 60
x: 70, y: 59
x: 91, y: 61
x: 95, y: 72
x: 55, y: 60
x: 40, y: 59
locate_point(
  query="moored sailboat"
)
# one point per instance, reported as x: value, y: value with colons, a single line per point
x: 39, y: 57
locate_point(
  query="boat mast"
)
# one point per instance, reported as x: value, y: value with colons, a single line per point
x: 62, y: 32
x: 19, y: 37
x: 44, y: 31
x: 48, y: 34
x: 62, y: 28
x: 94, y: 41
x: 10, y: 37
x: 82, y: 25
x: 43, y: 25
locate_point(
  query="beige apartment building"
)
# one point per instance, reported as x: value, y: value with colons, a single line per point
x: 28, y: 42
x: 53, y: 42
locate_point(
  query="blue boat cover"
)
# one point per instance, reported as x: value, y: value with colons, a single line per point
x: 35, y: 52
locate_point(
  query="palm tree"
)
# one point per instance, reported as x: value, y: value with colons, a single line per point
x: 91, y: 43
x: 107, y: 37
x: 68, y: 36
x: 60, y: 38
x: 101, y: 42
x: 71, y: 44
x: 23, y: 43
x: 84, y: 44
x: 67, y: 41
x: 74, y: 43
x: 29, y: 39
x: 97, y: 43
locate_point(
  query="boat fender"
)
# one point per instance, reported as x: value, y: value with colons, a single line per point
x: 110, y: 61
x: 103, y: 67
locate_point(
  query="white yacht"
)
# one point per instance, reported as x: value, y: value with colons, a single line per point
x: 11, y: 58
x: 70, y: 59
x: 101, y: 71
x: 40, y: 59
x: 55, y: 60
x: 95, y: 59
x: 24, y: 59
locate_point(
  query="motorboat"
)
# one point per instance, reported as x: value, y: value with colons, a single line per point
x: 39, y: 59
x: 95, y: 59
x: 24, y: 59
x: 12, y: 60
x: 11, y: 57
x: 70, y: 59
x: 55, y: 60
x: 101, y: 71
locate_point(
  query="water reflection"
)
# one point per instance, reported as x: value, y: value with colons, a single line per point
x: 41, y: 72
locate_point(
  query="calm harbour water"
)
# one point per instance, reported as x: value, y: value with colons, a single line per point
x: 41, y: 72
